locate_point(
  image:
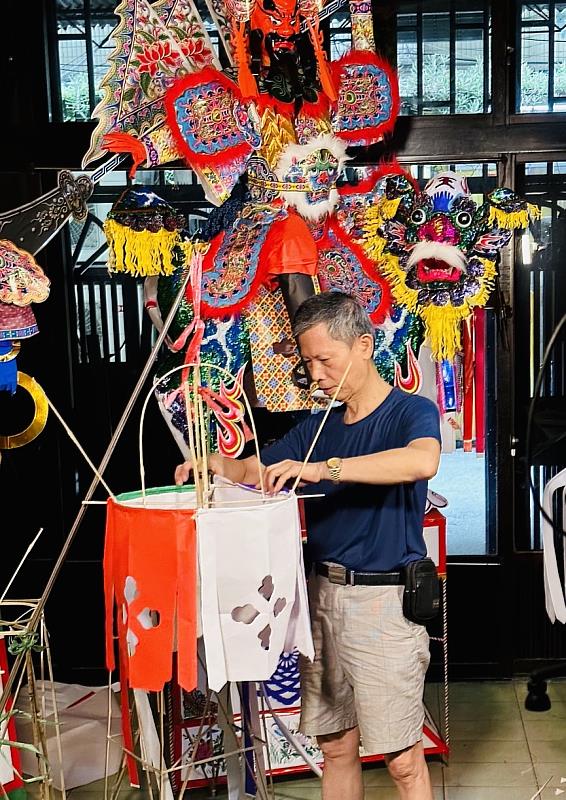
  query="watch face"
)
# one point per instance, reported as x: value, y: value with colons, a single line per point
x: 333, y: 462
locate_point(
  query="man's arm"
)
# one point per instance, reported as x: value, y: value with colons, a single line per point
x: 417, y: 461
x: 245, y: 470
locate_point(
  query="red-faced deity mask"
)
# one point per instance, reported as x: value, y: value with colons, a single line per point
x: 278, y: 23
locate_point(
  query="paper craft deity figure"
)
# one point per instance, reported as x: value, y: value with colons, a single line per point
x: 283, y: 127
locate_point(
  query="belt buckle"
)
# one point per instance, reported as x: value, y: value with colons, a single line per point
x: 337, y: 574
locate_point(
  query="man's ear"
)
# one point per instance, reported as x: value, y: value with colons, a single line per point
x: 366, y: 345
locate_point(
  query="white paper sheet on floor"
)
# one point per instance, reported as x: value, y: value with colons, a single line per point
x: 82, y: 714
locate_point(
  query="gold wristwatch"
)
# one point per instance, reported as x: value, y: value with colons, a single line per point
x: 335, y: 468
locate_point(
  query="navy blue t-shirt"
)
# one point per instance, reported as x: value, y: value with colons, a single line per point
x: 364, y: 527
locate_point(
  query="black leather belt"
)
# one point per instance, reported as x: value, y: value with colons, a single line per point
x: 348, y: 577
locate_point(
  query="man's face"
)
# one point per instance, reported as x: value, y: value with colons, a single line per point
x: 327, y: 360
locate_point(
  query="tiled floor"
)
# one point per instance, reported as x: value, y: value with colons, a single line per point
x: 499, y: 751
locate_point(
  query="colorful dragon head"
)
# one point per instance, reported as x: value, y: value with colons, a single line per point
x: 438, y: 249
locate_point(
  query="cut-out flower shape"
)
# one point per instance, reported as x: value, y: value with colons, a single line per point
x: 248, y: 613
x: 145, y: 620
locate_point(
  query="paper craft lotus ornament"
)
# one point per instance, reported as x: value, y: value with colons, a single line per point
x: 438, y: 249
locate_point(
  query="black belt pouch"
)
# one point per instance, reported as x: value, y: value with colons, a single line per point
x: 421, y: 597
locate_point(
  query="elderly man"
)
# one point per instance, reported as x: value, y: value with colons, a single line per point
x: 371, y: 462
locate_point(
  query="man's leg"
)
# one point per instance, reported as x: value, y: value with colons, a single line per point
x: 409, y: 771
x: 342, y: 773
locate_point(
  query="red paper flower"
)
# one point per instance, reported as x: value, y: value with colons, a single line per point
x: 154, y: 55
x: 195, y: 50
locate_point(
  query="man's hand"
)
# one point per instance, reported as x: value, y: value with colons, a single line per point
x: 183, y: 471
x: 276, y: 476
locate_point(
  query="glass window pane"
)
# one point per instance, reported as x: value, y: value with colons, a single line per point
x: 441, y: 52
x: 74, y: 79
x: 542, y: 67
x: 340, y: 34
x: 560, y: 55
x: 534, y: 69
x: 407, y: 71
x: 436, y: 63
x: 536, y: 168
x: 102, y: 47
x: 534, y: 11
x: 469, y: 72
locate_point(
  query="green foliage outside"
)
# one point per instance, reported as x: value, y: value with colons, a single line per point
x: 534, y: 86
x: 436, y: 85
x: 75, y: 99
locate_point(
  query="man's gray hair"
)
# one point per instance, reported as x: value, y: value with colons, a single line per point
x: 342, y: 314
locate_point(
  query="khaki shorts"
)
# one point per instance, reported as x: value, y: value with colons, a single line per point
x: 369, y: 666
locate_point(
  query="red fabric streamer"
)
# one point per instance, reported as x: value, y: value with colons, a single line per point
x: 479, y: 375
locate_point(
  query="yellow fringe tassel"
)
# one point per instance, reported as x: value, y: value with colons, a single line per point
x: 373, y: 245
x: 488, y: 283
x: 534, y: 211
x: 443, y: 329
x: 516, y: 219
x: 140, y: 252
x: 375, y: 216
x: 443, y: 322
